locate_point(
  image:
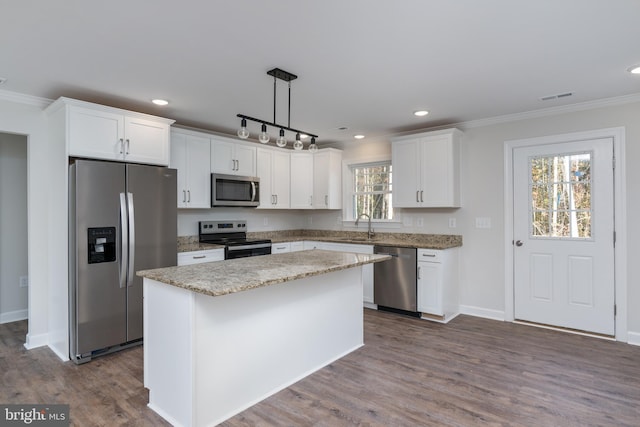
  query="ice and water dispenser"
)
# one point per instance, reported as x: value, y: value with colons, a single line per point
x: 102, y: 244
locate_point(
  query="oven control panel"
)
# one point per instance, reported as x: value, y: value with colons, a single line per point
x: 214, y: 227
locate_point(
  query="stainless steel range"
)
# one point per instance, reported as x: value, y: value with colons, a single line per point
x: 233, y: 235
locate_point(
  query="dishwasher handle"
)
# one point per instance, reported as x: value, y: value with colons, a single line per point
x: 385, y: 253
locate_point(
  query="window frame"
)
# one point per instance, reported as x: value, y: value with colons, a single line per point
x: 348, y: 192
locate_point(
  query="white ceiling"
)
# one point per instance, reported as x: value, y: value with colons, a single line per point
x: 362, y: 64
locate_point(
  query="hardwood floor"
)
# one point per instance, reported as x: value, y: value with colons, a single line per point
x: 409, y: 373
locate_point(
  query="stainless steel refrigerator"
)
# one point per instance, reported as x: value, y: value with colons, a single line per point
x: 122, y: 218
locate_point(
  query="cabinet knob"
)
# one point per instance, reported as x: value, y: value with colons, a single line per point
x: 519, y: 243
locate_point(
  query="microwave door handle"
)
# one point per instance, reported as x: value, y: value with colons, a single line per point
x: 253, y: 191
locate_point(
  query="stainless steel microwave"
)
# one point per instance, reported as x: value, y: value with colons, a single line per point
x: 233, y: 190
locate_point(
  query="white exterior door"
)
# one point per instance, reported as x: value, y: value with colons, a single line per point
x: 564, y: 235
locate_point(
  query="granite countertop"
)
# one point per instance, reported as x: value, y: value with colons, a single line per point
x: 405, y: 240
x: 241, y: 274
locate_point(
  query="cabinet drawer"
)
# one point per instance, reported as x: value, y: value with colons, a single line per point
x: 197, y: 257
x: 430, y: 255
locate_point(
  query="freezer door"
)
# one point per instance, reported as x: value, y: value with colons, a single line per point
x: 97, y: 295
x: 153, y: 231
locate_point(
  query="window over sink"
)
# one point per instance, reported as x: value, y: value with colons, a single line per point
x: 370, y: 191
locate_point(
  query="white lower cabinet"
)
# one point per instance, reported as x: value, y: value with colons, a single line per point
x: 198, y: 257
x: 438, y: 284
x: 280, y: 248
x: 297, y: 246
x: 367, y: 270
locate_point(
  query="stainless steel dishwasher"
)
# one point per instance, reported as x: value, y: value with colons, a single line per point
x: 394, y: 281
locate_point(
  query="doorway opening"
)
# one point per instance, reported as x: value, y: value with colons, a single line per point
x: 14, y: 279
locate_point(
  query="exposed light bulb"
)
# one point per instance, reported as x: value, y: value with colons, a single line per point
x: 313, y: 147
x: 281, y: 141
x: 298, y: 144
x: 264, y: 136
x: 243, y: 133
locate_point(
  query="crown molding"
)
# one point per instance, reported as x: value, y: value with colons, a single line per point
x: 552, y: 111
x: 21, y: 98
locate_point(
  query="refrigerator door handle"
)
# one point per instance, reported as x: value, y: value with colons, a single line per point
x: 124, y: 241
x: 132, y: 239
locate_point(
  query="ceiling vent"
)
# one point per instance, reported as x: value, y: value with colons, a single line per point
x: 557, y: 96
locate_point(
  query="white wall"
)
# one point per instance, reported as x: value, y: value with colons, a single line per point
x: 482, y: 184
x: 13, y: 227
x: 23, y: 115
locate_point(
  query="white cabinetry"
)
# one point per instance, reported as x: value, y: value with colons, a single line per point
x: 232, y: 158
x: 438, y: 284
x: 190, y: 155
x: 327, y: 179
x: 297, y: 246
x: 280, y: 248
x: 367, y: 270
x: 426, y: 170
x: 274, y: 173
x: 301, y: 180
x: 198, y: 257
x: 99, y: 132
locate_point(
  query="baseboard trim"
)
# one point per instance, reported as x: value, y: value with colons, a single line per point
x: 35, y: 341
x: 14, y: 316
x: 633, y: 338
x: 482, y: 312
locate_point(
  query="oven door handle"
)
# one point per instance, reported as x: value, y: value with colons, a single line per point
x: 245, y: 247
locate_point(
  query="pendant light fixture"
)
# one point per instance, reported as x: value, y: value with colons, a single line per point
x: 263, y: 136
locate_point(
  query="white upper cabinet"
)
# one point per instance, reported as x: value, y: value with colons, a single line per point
x: 232, y: 158
x: 99, y: 132
x: 327, y: 179
x: 301, y: 180
x: 190, y: 155
x: 274, y: 173
x: 426, y: 170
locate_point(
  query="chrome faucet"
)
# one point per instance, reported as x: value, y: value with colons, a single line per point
x: 370, y: 231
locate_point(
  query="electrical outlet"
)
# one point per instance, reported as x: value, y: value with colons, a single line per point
x: 24, y: 281
x: 483, y: 222
x: 265, y: 221
x: 310, y: 220
x: 407, y: 221
x: 420, y: 222
x: 339, y: 220
x: 452, y: 223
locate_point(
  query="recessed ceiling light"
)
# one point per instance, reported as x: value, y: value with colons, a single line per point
x: 343, y: 128
x: 358, y: 136
x: 420, y: 113
x: 160, y: 101
x: 634, y: 70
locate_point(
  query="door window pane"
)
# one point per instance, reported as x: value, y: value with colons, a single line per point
x: 560, y: 196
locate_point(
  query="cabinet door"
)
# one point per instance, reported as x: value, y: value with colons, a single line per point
x: 406, y: 173
x: 327, y: 180
x: 198, y: 172
x: 281, y: 179
x: 199, y: 257
x: 264, y: 172
x: 439, y: 172
x: 245, y: 160
x: 178, y: 161
x: 96, y: 134
x: 222, y: 160
x: 321, y: 180
x: 430, y: 288
x: 301, y: 181
x: 146, y: 141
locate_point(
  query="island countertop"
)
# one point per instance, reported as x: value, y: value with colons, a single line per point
x: 236, y: 275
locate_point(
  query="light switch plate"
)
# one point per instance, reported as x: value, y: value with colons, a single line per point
x: 452, y: 223
x: 420, y: 222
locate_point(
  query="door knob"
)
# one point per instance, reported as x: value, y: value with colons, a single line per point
x: 519, y: 243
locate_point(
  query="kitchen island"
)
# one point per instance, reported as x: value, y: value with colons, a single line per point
x: 221, y: 336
